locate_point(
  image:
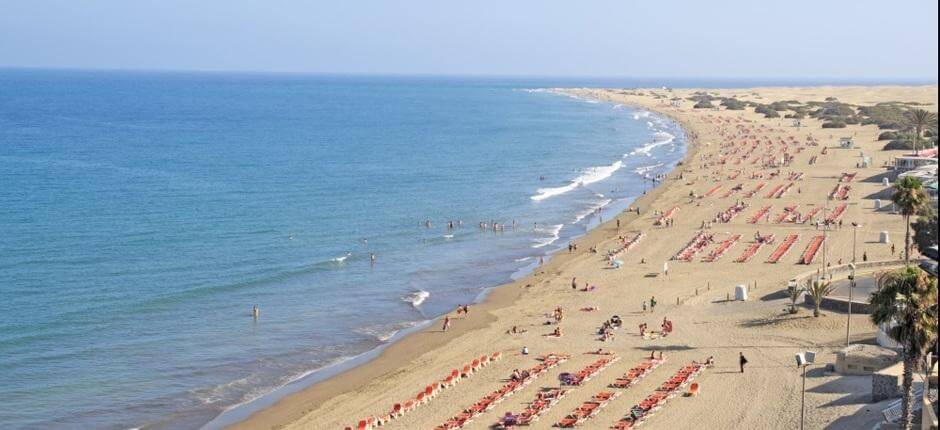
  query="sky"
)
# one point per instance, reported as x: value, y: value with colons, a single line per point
x: 622, y: 38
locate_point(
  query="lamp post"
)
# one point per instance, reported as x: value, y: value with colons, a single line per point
x: 848, y: 318
x: 855, y: 227
x: 804, y: 359
x: 803, y: 398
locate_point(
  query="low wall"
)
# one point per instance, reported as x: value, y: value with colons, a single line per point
x: 841, y: 304
x: 886, y: 383
x: 842, y: 271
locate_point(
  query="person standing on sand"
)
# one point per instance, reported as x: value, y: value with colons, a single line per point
x: 665, y: 268
x: 446, y: 323
x: 742, y: 361
x: 574, y: 283
x: 652, y: 304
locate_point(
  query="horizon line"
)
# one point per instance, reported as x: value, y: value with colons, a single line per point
x: 858, y: 79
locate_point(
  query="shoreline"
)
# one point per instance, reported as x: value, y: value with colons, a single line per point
x: 291, y: 404
x: 694, y: 293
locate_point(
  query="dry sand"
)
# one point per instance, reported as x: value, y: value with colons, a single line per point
x: 766, y: 396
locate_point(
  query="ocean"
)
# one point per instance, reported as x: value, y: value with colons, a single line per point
x: 144, y: 214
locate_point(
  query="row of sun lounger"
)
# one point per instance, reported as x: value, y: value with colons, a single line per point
x: 783, y: 248
x: 759, y: 215
x: 666, y: 216
x: 753, y: 248
x: 773, y: 191
x: 840, y: 192
x: 625, y: 246
x: 810, y: 215
x: 728, y: 214
x: 795, y: 176
x: 780, y: 192
x: 723, y: 247
x: 494, y: 398
x: 652, y: 403
x: 637, y: 373
x: 811, y: 249
x: 543, y: 401
x: 733, y: 190
x: 700, y: 241
x: 588, y: 372
x: 756, y: 189
x: 588, y: 409
x: 836, y: 213
x: 787, y: 216
x: 429, y: 392
x: 713, y: 190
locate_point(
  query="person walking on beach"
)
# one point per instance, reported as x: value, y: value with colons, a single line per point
x: 574, y: 283
x: 652, y: 304
x: 446, y: 323
x: 742, y: 361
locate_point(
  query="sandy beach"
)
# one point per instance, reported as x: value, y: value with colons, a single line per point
x: 722, y: 168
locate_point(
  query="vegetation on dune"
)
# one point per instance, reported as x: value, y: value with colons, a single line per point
x: 905, y: 305
x: 888, y: 135
x: 733, y: 104
x: 703, y: 104
x: 702, y: 100
x: 767, y: 111
x: 888, y: 116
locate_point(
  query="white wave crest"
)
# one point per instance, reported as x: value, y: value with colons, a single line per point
x: 660, y: 138
x: 416, y: 298
x: 553, y: 236
x: 591, y: 210
x: 590, y: 176
x: 341, y: 259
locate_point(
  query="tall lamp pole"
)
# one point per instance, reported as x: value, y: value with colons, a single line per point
x: 848, y: 318
x: 803, y: 399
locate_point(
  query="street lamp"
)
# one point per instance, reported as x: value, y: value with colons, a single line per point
x: 848, y: 318
x: 804, y: 359
x: 855, y: 227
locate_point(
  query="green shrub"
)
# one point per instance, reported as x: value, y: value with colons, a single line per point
x: 834, y: 123
x: 767, y: 111
x: 703, y: 104
x: 733, y: 104
x: 888, y: 135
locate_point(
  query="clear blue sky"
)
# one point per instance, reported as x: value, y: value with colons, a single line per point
x: 635, y: 38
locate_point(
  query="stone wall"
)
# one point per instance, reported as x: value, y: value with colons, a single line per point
x: 886, y: 383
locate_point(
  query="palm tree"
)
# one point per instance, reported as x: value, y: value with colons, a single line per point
x: 794, y: 292
x: 905, y: 303
x: 818, y: 290
x: 918, y: 119
x: 910, y: 198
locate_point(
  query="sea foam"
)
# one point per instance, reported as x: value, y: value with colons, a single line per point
x: 590, y: 176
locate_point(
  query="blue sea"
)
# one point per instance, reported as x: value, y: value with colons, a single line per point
x: 143, y: 214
